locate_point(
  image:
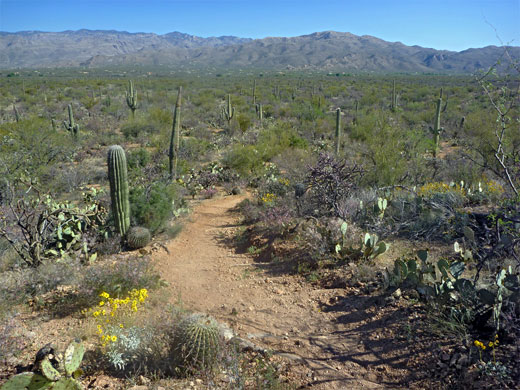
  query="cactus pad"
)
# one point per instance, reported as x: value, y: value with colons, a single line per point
x: 138, y: 237
x: 196, y: 342
x: 73, y: 356
x: 48, y: 370
x: 27, y: 380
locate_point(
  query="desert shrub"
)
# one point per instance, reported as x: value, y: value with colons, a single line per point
x: 18, y: 286
x: 30, y: 147
x: 137, y: 158
x: 244, y: 122
x: 137, y: 129
x: 117, y: 278
x: 329, y: 182
x: 152, y: 205
x: 194, y: 149
x: 244, y: 159
x: 392, y: 154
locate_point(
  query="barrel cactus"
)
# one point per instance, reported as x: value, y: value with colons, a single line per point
x: 138, y: 237
x: 196, y: 343
x: 118, y: 177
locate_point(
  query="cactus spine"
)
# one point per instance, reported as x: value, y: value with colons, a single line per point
x: 70, y: 126
x: 338, y: 130
x: 175, y: 138
x: 118, y: 177
x: 229, y: 111
x: 131, y: 97
x: 437, y: 129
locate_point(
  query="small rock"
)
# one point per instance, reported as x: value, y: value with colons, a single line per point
x: 143, y: 380
x: 397, y: 293
x: 140, y: 387
x: 292, y: 357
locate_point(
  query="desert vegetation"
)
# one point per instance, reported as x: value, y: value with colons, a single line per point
x: 400, y: 189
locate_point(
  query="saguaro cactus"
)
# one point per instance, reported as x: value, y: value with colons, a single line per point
x: 175, y: 138
x: 16, y: 114
x: 254, y: 92
x: 437, y: 129
x: 131, y: 97
x: 338, y: 130
x: 260, y: 112
x: 118, y: 177
x: 393, y: 105
x: 228, y: 112
x: 70, y: 126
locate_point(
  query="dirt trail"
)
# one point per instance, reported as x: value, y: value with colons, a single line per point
x: 332, y: 341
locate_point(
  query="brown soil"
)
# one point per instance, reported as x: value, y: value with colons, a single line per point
x: 331, y: 338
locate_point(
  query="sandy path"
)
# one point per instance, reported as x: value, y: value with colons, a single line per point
x: 278, y: 312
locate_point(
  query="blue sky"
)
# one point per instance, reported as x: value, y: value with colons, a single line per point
x: 441, y: 24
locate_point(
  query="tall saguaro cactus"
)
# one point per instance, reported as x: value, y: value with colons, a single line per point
x: 118, y: 177
x: 16, y: 113
x: 254, y: 92
x: 131, y: 97
x: 436, y: 130
x: 393, y: 105
x: 175, y: 138
x: 228, y: 112
x: 338, y: 130
x: 260, y: 112
x: 70, y: 126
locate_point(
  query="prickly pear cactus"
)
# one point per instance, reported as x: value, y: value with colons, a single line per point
x: 51, y: 378
x: 138, y: 237
x: 48, y: 370
x: 66, y: 384
x: 73, y: 356
x: 27, y: 380
x: 196, y: 342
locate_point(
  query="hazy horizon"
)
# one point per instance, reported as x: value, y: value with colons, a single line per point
x: 445, y: 25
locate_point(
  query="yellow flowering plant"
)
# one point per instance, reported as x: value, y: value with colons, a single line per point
x: 112, y: 316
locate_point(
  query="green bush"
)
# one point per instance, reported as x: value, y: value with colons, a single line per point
x: 136, y: 129
x: 151, y: 206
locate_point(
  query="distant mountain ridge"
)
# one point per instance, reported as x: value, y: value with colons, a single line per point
x: 328, y: 50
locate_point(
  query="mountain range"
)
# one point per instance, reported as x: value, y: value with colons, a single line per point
x: 328, y: 50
